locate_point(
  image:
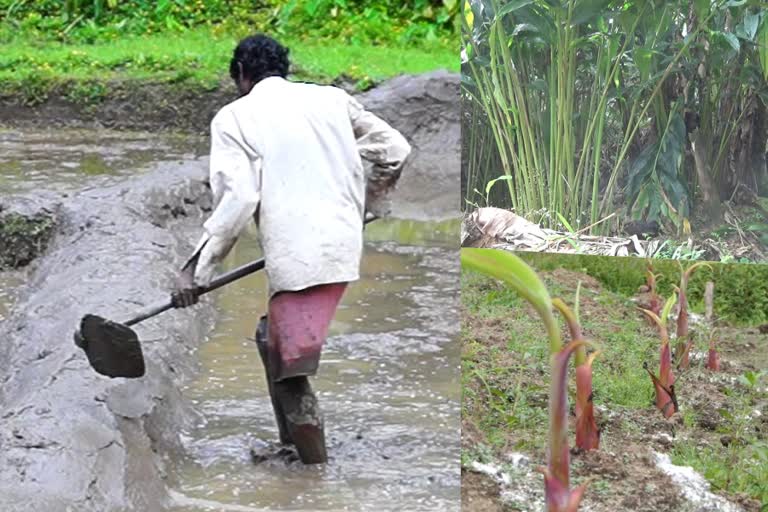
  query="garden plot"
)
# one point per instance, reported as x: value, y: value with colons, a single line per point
x: 710, y: 455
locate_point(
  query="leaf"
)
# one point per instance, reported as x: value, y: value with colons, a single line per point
x: 748, y: 28
x: 490, y: 184
x: 763, y: 48
x: 469, y: 15
x: 513, y: 271
x: 513, y: 6
x: 701, y: 8
x: 565, y: 223
x: 668, y: 307
x: 642, y: 59
x: 587, y: 10
x: 727, y: 37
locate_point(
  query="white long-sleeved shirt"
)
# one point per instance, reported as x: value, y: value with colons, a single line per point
x: 293, y: 151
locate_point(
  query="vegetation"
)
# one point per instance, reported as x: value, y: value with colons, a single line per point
x: 504, y: 356
x: 664, y: 384
x: 423, y: 23
x: 745, y: 283
x: 524, y: 281
x: 79, y: 48
x: 23, y: 237
x: 658, y: 110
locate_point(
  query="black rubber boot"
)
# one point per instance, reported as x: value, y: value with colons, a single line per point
x: 303, y: 419
x: 261, y: 343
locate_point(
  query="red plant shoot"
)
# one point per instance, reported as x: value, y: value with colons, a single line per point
x: 713, y: 360
x: 587, y: 433
x: 666, y: 401
x: 559, y: 496
x: 655, y: 300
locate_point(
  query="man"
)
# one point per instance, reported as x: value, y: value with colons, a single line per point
x: 289, y: 156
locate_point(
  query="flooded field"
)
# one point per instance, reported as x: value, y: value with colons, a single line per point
x: 388, y: 386
x: 388, y: 382
x: 64, y: 160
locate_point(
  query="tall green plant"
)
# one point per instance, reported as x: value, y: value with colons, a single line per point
x: 594, y: 101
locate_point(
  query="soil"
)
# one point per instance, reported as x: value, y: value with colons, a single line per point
x: 69, y: 437
x: 623, y: 473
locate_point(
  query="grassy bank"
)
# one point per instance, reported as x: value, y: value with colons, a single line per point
x: 196, y: 58
x: 736, y: 284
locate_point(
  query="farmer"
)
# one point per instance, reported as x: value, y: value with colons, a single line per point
x: 288, y: 155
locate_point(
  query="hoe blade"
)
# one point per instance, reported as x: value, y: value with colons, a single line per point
x: 113, y: 349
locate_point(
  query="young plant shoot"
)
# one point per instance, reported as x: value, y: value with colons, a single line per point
x: 666, y: 401
x: 713, y: 359
x: 520, y: 277
x: 587, y: 433
x: 654, y: 303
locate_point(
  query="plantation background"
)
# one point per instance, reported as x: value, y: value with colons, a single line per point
x: 741, y: 290
x: 653, y: 110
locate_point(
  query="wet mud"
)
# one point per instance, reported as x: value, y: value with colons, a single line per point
x: 73, y: 440
x: 386, y: 387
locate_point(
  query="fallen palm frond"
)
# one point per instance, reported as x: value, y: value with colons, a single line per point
x: 502, y: 229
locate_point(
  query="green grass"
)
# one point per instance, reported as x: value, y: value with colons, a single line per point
x: 197, y: 57
x: 741, y: 466
x: 505, y: 387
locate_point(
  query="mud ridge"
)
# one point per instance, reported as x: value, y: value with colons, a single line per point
x: 71, y: 439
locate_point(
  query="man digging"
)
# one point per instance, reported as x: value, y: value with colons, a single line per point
x: 288, y: 155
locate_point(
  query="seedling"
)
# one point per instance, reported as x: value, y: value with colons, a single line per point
x: 587, y: 433
x: 666, y: 401
x: 655, y: 300
x: 559, y: 497
x: 713, y: 360
x: 684, y: 343
x: 520, y: 277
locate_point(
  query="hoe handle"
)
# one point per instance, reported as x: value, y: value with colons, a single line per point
x: 222, y: 280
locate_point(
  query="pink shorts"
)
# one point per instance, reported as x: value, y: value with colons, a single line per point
x: 298, y: 325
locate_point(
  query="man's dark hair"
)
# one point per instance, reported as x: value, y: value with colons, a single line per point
x: 261, y: 56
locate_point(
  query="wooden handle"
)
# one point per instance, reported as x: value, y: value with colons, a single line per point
x: 218, y: 282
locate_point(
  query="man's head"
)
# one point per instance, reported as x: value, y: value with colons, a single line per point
x: 256, y: 58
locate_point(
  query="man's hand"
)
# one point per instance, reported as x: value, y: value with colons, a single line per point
x: 187, y: 293
x: 377, y: 202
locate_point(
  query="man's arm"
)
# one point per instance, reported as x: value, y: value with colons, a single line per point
x: 383, y: 146
x: 235, y: 176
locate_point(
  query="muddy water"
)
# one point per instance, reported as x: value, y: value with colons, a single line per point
x: 70, y: 159
x: 9, y: 282
x: 388, y: 385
